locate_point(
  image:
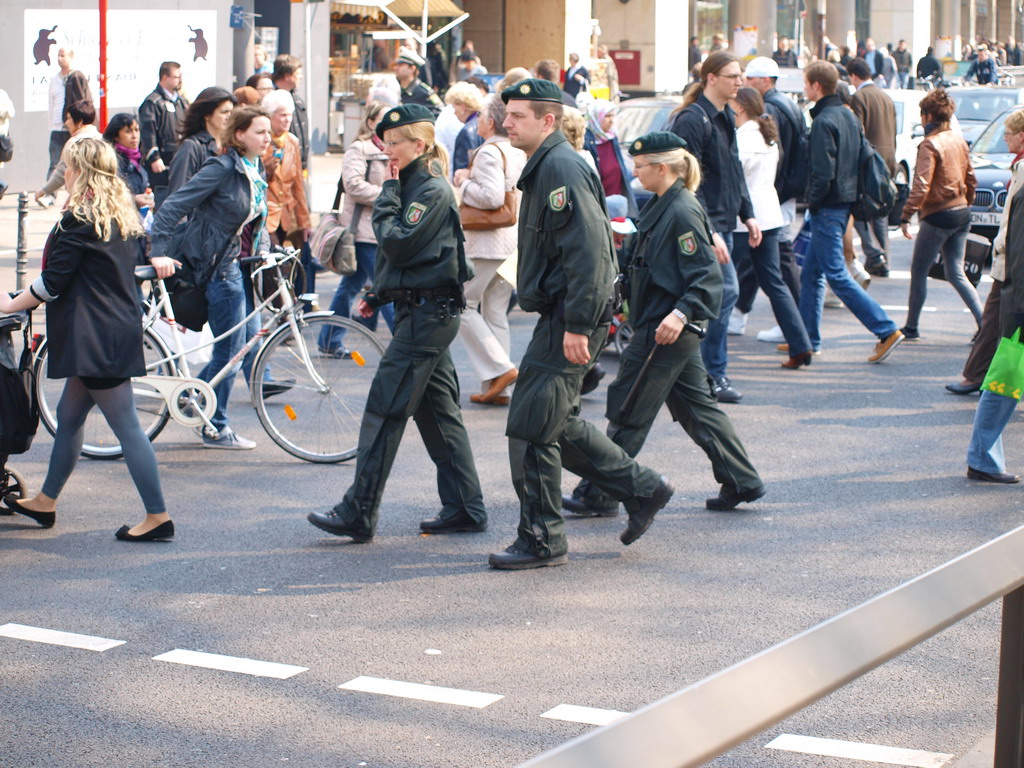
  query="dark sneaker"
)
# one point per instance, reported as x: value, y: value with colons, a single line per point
x: 728, y: 500
x: 227, y: 440
x: 878, y: 267
x: 640, y: 519
x: 581, y: 506
x: 724, y: 391
x: 515, y: 559
x: 910, y: 334
x: 460, y: 522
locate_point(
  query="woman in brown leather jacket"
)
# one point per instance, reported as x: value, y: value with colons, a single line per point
x: 943, y: 186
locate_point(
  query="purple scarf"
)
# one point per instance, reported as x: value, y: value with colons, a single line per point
x: 133, y: 155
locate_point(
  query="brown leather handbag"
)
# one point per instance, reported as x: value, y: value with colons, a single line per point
x: 479, y: 218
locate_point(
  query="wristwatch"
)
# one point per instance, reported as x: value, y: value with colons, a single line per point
x: 680, y: 314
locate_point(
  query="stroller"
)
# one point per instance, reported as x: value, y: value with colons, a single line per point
x: 19, y: 413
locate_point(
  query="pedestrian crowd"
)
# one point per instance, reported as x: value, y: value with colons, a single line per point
x: 462, y: 197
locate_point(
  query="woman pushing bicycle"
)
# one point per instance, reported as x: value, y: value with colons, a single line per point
x: 421, y: 267
x: 226, y: 206
x: 94, y: 333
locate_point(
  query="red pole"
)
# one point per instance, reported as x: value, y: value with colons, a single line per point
x: 103, y: 64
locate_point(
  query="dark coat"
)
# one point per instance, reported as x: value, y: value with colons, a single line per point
x: 572, y: 86
x: 467, y: 140
x: 710, y: 136
x: 1011, y: 299
x: 93, y: 325
x: 834, y: 147
x: 565, y: 240
x: 160, y: 120
x: 928, y: 66
x: 673, y: 265
x: 193, y: 152
x: 216, y: 201
x: 134, y: 176
x: 590, y: 144
x: 420, y: 93
x: 419, y: 234
x: 300, y: 127
x: 791, y: 131
x: 877, y: 114
x: 785, y: 58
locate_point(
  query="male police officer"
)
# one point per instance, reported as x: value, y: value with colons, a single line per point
x: 565, y: 273
x: 414, y: 90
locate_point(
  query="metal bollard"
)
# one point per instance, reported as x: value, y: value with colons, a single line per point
x: 21, y: 260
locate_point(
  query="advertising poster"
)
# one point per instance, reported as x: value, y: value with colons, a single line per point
x: 137, y: 43
x: 744, y: 41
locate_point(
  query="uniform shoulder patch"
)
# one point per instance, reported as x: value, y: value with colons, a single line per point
x: 415, y: 213
x: 557, y: 199
x: 688, y: 243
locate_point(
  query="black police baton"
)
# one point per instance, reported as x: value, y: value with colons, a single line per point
x: 631, y: 395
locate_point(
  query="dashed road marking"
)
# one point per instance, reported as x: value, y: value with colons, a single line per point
x: 434, y: 693
x: 231, y: 664
x: 56, y: 637
x: 852, y: 750
x: 572, y: 713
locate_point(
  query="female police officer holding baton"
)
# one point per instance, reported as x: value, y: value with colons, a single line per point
x: 674, y: 282
x: 421, y: 267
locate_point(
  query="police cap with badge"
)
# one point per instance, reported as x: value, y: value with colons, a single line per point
x: 656, y: 142
x: 533, y: 89
x: 403, y: 115
x: 410, y: 57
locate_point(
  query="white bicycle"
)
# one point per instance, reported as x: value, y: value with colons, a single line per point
x: 322, y: 367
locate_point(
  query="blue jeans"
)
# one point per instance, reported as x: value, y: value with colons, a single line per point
x: 985, y: 451
x: 932, y: 240
x: 251, y: 329
x: 714, y: 349
x: 348, y: 289
x: 824, y: 261
x: 225, y: 294
x: 766, y: 266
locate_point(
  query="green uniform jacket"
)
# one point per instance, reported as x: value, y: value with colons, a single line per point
x: 419, y: 92
x: 565, y: 241
x: 419, y: 236
x: 673, y: 265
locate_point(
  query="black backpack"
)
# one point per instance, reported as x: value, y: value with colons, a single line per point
x: 19, y: 412
x: 876, y: 191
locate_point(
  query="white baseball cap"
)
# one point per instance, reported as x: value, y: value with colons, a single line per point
x: 762, y: 66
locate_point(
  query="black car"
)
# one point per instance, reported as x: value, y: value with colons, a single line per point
x: 977, y: 106
x: 991, y: 159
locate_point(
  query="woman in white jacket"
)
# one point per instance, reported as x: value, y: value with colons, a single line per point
x: 362, y: 172
x: 757, y: 143
x: 494, y: 169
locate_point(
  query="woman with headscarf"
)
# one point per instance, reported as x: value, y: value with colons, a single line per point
x: 603, y: 144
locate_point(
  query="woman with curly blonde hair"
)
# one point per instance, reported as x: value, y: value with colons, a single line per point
x: 94, y: 332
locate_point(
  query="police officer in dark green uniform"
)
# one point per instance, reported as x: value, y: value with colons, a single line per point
x: 421, y: 267
x: 565, y: 273
x: 674, y: 279
x: 414, y: 90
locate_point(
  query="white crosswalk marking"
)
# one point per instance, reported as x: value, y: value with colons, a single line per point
x: 56, y: 637
x: 422, y: 692
x: 572, y: 713
x: 852, y: 750
x: 231, y: 664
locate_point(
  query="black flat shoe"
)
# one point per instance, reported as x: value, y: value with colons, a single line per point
x: 992, y: 477
x: 460, y: 522
x: 45, y: 519
x: 724, y: 501
x: 580, y: 507
x: 515, y: 559
x: 963, y: 389
x: 332, y: 523
x: 640, y: 519
x: 163, y: 532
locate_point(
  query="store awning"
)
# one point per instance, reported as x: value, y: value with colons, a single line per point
x: 406, y: 9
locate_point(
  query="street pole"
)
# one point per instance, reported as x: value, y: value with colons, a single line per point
x: 103, y: 64
x: 21, y: 254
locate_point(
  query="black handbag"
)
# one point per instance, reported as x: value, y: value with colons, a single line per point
x: 6, y: 149
x: 188, y: 300
x: 976, y: 256
x: 896, y: 214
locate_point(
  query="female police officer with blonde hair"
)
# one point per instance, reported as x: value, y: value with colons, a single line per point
x: 674, y: 282
x: 421, y: 266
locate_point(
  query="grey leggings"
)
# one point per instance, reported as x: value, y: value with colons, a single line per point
x: 932, y: 240
x: 118, y: 407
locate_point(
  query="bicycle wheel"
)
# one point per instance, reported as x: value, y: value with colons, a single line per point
x: 100, y: 442
x: 313, y: 421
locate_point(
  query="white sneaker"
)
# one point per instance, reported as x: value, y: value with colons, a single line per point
x: 772, y: 336
x: 227, y: 440
x: 737, y: 323
x: 859, y: 274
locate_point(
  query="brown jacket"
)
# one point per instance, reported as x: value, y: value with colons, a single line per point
x: 286, y: 194
x: 943, y: 176
x: 877, y: 114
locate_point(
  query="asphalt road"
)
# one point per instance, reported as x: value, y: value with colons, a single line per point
x: 865, y: 469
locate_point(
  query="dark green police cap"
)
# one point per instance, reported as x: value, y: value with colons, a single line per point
x: 533, y: 89
x: 656, y: 141
x: 403, y: 115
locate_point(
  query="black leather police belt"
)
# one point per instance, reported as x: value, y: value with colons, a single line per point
x: 417, y: 295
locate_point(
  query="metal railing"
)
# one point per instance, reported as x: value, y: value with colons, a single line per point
x: 705, y: 720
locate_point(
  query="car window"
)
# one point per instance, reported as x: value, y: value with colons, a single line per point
x: 983, y: 106
x: 900, y: 110
x: 991, y: 141
x: 633, y: 122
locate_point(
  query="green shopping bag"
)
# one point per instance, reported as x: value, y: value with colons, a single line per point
x: 1006, y: 373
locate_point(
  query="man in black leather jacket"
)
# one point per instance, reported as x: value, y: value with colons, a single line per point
x: 834, y: 146
x: 160, y: 119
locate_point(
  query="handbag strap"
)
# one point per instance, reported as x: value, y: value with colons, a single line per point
x: 337, y: 195
x: 357, y: 214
